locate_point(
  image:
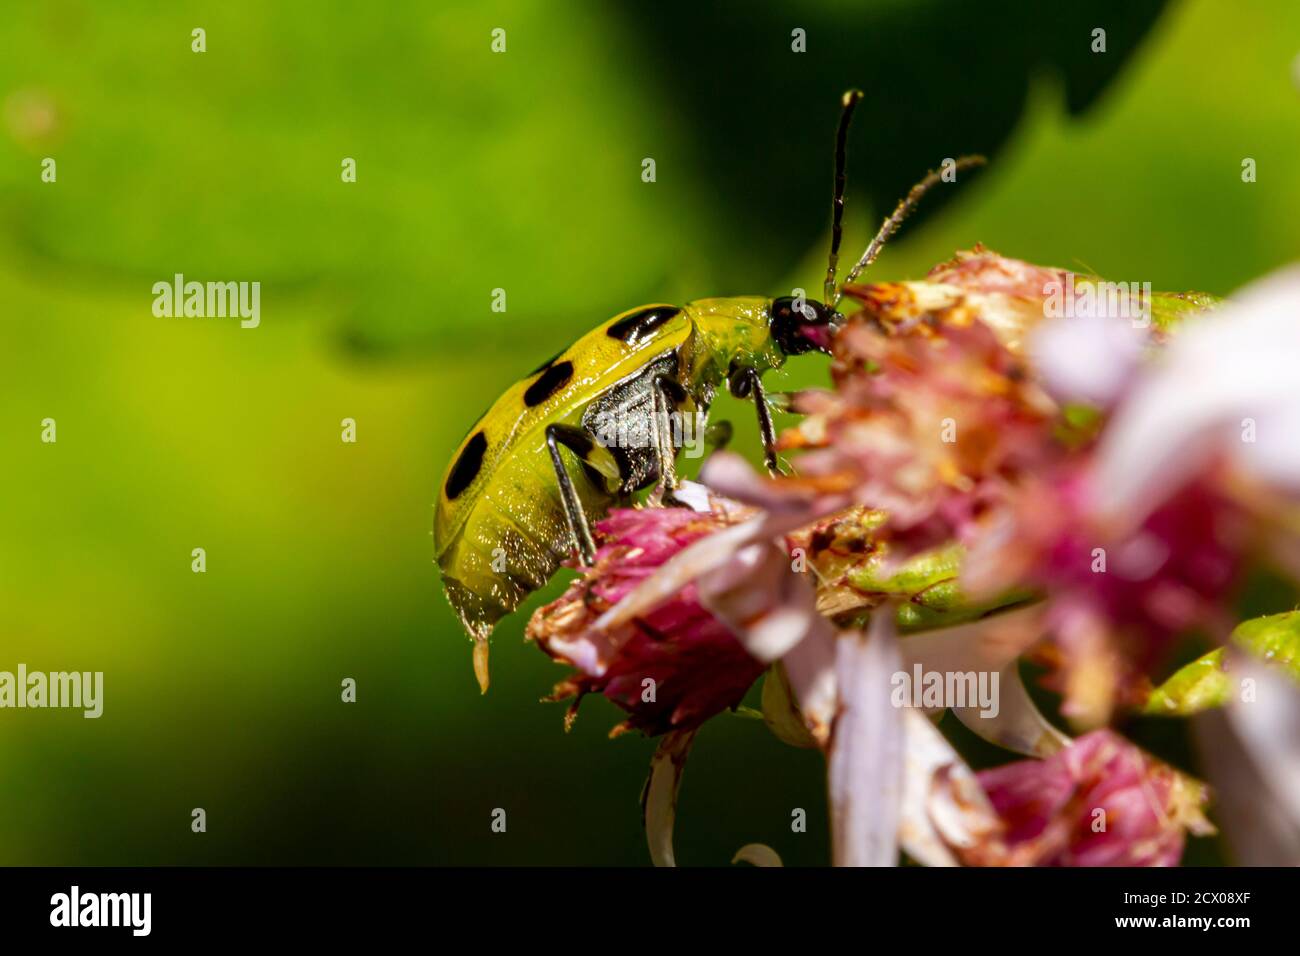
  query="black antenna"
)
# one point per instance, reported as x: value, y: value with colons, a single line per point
x: 890, y: 225
x: 849, y: 101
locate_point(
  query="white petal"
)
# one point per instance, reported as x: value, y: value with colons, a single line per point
x: 1240, y: 362
x: 693, y: 494
x: 1018, y: 724
x: 1274, y: 455
x: 866, y: 754
x: 766, y: 604
x: 810, y: 665
x: 943, y: 804
x: 1252, y: 754
x: 695, y: 559
x: 1086, y: 358
x: 757, y: 854
x: 985, y: 645
x: 992, y: 645
x: 660, y: 802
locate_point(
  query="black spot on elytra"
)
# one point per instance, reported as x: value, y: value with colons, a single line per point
x: 641, y: 323
x: 467, y: 465
x: 552, y: 379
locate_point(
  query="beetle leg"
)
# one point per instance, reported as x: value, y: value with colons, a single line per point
x: 765, y: 430
x: 718, y: 435
x: 577, y: 442
x: 665, y: 450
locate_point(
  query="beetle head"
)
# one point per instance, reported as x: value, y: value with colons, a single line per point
x: 800, y: 326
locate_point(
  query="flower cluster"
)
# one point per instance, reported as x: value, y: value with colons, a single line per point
x: 670, y: 669
x: 984, y: 482
x: 1099, y: 802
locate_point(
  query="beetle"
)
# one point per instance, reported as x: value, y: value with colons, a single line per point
x: 529, y: 477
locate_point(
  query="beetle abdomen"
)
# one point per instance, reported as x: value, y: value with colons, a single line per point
x: 514, y: 538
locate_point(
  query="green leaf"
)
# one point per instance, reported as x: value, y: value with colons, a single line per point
x: 1169, y: 309
x: 1198, y: 686
x: 912, y: 577
x: 1274, y: 639
x: 923, y: 613
x: 929, y: 583
x: 1205, y: 683
x: 780, y: 711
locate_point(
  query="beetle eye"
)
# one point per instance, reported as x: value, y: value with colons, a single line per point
x: 798, y: 326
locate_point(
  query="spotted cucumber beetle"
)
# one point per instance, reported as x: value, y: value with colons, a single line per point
x: 536, y: 469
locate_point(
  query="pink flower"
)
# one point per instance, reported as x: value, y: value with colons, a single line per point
x: 671, y: 668
x: 682, y: 611
x: 940, y: 422
x: 932, y: 424
x: 893, y: 779
x: 1116, y: 601
x: 942, y: 442
x: 1007, y: 295
x: 1099, y: 802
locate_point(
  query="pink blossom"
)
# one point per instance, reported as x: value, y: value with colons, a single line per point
x: 671, y: 668
x: 1099, y: 802
x: 933, y: 425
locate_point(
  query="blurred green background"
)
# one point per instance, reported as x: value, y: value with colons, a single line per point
x: 476, y: 171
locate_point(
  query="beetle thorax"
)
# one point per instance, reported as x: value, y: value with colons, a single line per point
x: 730, y: 333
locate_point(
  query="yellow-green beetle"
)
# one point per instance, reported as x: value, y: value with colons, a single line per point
x: 606, y: 417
